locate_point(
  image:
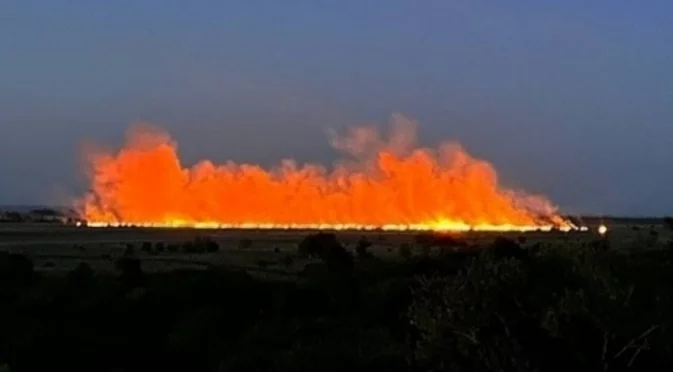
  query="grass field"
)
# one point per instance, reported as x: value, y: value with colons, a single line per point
x: 58, y: 248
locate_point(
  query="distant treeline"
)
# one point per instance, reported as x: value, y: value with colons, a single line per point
x: 616, y: 220
x: 37, y: 215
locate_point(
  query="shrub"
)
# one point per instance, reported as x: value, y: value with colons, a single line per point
x: 315, y: 245
x: 129, y: 251
x: 361, y: 248
x: 326, y: 247
x: 443, y: 240
x: 469, y: 336
x: 560, y: 310
x: 507, y: 248
x: 211, y: 246
x: 17, y: 269
x: 146, y: 247
x: 189, y: 247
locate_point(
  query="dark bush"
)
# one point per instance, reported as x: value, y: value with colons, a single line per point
x: 159, y: 247
x: 211, y: 246
x: 316, y: 245
x: 361, y: 248
x: 16, y: 268
x: 442, y: 240
x: 424, y: 239
x: 146, y: 247
x: 326, y: 247
x: 507, y: 248
x: 190, y: 247
x: 129, y: 251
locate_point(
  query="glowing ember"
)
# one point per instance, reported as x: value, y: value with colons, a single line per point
x: 386, y: 184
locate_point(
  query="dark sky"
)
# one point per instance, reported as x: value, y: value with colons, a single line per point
x: 573, y: 98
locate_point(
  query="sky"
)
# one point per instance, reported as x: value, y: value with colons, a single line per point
x: 572, y: 99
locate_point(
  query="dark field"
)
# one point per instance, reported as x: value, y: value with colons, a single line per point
x: 62, y: 247
x: 127, y: 299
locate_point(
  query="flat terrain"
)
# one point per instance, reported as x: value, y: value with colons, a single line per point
x: 59, y: 248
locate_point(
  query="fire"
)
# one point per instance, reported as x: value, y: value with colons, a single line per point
x: 384, y: 183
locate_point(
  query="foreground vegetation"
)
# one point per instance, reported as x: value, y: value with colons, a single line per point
x: 458, y: 308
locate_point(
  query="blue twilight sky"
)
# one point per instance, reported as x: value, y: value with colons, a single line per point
x: 570, y: 98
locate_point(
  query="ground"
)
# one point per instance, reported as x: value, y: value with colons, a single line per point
x: 57, y: 248
x: 255, y: 301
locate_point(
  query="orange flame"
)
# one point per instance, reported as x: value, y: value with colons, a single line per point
x: 387, y: 184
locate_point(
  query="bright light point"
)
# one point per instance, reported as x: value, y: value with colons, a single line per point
x: 602, y: 229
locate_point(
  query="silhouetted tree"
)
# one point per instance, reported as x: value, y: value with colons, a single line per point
x: 212, y: 246
x: 315, y: 245
x: 361, y: 248
x: 326, y: 247
x: 13, y: 216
